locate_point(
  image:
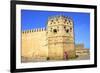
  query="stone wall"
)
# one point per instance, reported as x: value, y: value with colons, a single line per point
x: 34, y: 43
x: 56, y: 42
x: 81, y: 50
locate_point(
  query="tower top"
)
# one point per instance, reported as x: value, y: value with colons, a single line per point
x: 58, y: 16
x: 59, y: 20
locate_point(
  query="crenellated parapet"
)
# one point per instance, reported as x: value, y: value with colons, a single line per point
x: 34, y: 30
x: 60, y: 20
x: 59, y: 17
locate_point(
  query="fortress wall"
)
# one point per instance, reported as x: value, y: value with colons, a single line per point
x: 81, y: 50
x: 34, y: 43
x: 70, y: 49
x: 55, y: 51
x: 55, y: 43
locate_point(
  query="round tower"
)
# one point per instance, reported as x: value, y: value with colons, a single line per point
x: 60, y: 38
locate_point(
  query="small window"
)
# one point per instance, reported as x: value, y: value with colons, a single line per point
x: 64, y: 27
x: 70, y: 29
x: 67, y: 22
x: 50, y: 23
x: 67, y: 30
x: 51, y: 20
x: 70, y: 22
x: 55, y: 30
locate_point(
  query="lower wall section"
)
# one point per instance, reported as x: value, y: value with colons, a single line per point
x: 55, y: 52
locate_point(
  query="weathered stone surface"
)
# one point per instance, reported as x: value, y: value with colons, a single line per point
x: 55, y: 42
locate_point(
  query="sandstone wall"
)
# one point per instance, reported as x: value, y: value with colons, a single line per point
x: 34, y: 44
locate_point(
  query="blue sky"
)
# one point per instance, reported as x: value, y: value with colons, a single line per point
x: 31, y: 19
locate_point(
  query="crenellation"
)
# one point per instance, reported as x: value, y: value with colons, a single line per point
x: 61, y: 19
x: 34, y: 30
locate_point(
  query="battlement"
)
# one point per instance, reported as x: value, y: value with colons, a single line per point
x: 60, y: 20
x: 59, y: 17
x: 34, y: 30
